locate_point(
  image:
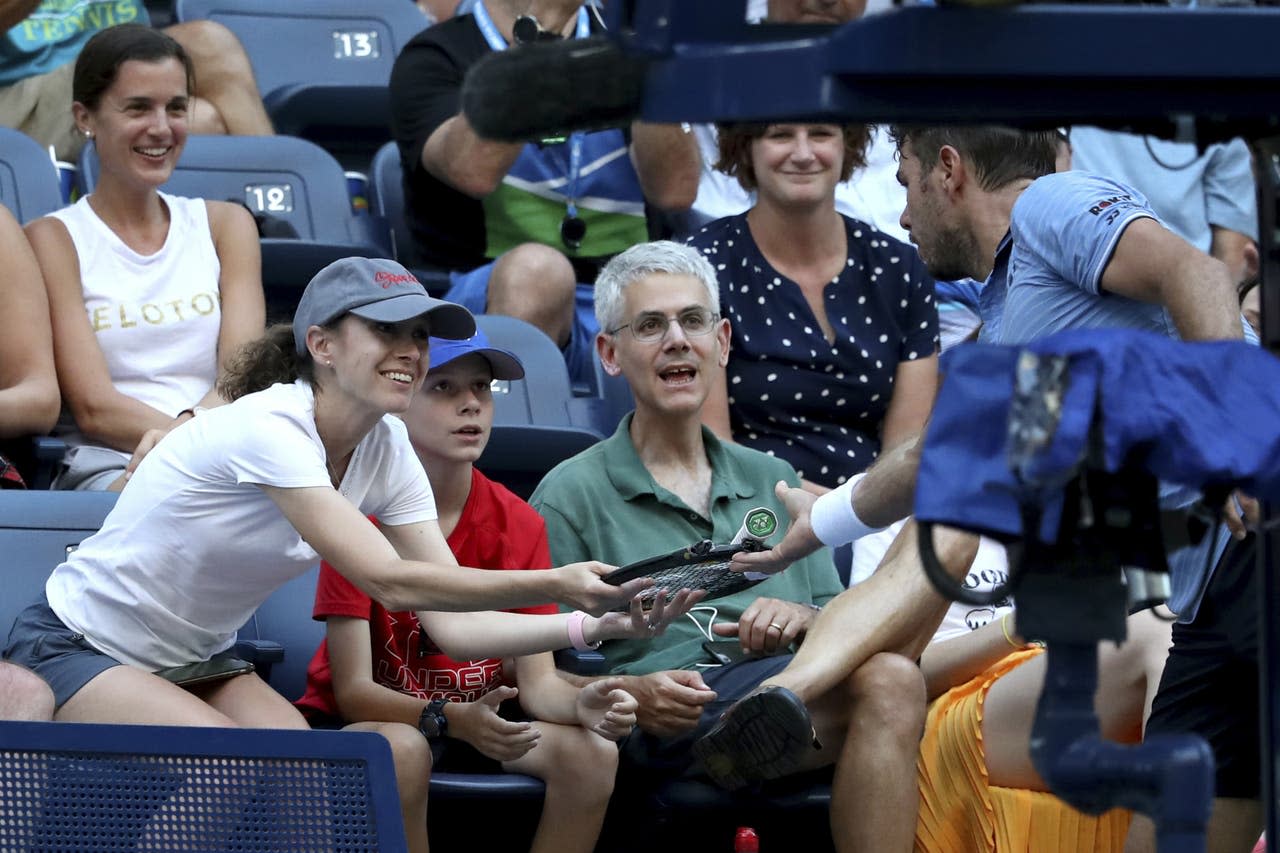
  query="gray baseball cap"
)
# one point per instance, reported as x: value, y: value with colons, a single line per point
x: 376, y: 289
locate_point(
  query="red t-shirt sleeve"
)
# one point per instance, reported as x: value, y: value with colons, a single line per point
x: 337, y: 596
x: 537, y: 556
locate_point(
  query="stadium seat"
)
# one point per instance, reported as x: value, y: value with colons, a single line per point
x: 537, y: 421
x: 289, y: 183
x: 386, y: 202
x: 37, y: 531
x: 322, y: 66
x: 28, y: 180
x: 93, y: 788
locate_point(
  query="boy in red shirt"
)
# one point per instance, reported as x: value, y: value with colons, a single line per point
x: 377, y: 665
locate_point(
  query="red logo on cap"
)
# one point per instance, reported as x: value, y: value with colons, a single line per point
x: 386, y: 279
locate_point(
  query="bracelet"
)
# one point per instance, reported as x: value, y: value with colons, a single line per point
x: 576, y: 637
x: 1004, y: 627
x: 833, y: 519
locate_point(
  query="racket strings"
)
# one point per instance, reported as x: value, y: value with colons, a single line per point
x: 712, y: 575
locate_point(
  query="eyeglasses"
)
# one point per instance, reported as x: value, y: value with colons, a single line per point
x: 652, y: 326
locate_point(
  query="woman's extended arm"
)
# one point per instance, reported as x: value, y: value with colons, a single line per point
x: 428, y: 578
x: 29, y: 400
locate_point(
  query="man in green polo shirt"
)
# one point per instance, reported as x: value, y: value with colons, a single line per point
x: 663, y: 482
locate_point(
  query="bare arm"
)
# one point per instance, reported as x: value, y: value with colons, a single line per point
x: 102, y: 412
x: 959, y: 659
x: 29, y: 399
x: 244, y: 312
x: 915, y: 384
x: 456, y: 154
x: 358, y: 696
x: 1236, y: 250
x: 668, y: 164
x: 14, y: 12
x: 1152, y: 264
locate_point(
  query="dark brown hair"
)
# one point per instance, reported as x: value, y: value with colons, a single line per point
x: 101, y: 57
x: 999, y: 155
x: 735, y: 149
x: 262, y: 363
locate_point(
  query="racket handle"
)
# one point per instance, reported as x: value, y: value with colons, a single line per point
x: 758, y: 524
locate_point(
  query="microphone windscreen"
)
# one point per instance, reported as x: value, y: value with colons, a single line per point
x: 547, y: 89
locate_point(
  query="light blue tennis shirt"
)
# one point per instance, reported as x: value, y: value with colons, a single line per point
x: 1064, y: 230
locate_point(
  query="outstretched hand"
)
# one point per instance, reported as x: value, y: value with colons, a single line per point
x: 606, y: 709
x: 799, y: 541
x: 478, y: 724
x: 579, y: 586
x: 639, y: 625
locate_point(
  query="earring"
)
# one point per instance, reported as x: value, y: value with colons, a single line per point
x: 88, y: 134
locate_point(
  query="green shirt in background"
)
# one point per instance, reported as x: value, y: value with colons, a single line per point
x: 603, y: 505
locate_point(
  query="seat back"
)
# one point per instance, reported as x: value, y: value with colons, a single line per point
x: 28, y: 180
x: 37, y: 531
x: 291, y: 181
x: 322, y: 66
x: 88, y: 788
x: 537, y: 422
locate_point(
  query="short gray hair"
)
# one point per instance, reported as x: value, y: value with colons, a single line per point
x: 643, y: 259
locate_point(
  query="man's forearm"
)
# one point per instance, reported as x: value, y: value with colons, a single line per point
x: 1202, y: 302
x: 887, y: 492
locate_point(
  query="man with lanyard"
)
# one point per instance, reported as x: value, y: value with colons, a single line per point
x: 519, y: 225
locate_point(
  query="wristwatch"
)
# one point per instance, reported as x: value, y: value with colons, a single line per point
x: 433, y: 723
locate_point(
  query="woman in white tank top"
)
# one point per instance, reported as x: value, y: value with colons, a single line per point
x: 149, y: 293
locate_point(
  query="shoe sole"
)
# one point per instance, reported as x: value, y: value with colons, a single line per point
x: 764, y: 736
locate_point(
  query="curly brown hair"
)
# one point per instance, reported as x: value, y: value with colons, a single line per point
x: 264, y: 362
x: 735, y: 149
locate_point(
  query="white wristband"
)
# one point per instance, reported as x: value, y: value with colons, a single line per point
x: 832, y: 517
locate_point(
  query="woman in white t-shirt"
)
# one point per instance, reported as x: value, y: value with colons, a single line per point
x: 150, y: 293
x: 239, y: 499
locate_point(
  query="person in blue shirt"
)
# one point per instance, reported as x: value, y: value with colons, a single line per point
x: 1055, y: 251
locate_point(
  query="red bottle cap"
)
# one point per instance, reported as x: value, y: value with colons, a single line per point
x: 746, y: 841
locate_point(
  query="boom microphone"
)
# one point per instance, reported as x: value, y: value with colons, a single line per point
x: 548, y: 89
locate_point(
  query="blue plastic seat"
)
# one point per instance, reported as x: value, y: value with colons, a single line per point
x: 322, y: 66
x: 289, y: 180
x: 537, y: 421
x: 28, y: 180
x: 37, y: 531
x: 386, y: 202
x: 93, y: 788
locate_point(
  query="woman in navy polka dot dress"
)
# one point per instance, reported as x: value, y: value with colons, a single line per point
x: 835, y: 329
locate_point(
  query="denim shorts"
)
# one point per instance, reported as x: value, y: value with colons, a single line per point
x: 39, y: 641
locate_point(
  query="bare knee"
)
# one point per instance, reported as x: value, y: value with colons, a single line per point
x: 24, y: 695
x: 215, y: 51
x: 580, y: 763
x: 536, y: 284
x: 411, y: 754
x: 888, y: 693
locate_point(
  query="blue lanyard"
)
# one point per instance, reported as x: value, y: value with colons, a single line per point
x: 582, y: 29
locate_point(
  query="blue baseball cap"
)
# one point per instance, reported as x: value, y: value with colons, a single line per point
x: 504, y: 364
